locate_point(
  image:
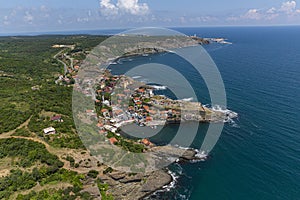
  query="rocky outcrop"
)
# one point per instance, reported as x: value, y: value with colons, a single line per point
x: 156, y: 180
x: 189, y: 154
x: 128, y: 186
x: 134, y: 186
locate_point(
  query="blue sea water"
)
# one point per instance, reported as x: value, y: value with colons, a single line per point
x: 258, y: 157
x: 261, y: 158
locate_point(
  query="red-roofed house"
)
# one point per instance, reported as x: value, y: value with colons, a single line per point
x: 56, y: 118
x: 113, y: 140
x: 146, y: 142
x: 100, y: 125
x: 146, y: 108
x: 104, y: 110
x: 149, y: 119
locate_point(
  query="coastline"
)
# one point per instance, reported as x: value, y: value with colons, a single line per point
x: 143, y: 184
x: 140, y: 186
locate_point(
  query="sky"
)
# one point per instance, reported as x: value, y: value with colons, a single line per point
x: 65, y: 15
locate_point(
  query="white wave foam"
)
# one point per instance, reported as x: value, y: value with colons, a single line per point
x: 173, y: 183
x: 230, y: 115
x: 136, y: 77
x: 188, y: 99
x: 201, y: 154
x: 157, y: 87
x: 184, y: 148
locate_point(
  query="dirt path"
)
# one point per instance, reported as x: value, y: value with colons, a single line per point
x: 5, y: 135
x: 59, y: 152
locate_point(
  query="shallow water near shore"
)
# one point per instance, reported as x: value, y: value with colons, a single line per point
x: 257, y: 157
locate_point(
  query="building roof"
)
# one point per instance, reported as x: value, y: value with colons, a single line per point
x: 113, y: 140
x: 146, y: 107
x: 104, y: 110
x: 100, y: 125
x: 57, y: 117
x: 49, y: 130
x: 118, y: 112
x: 146, y: 142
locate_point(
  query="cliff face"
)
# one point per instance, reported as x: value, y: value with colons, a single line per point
x: 125, y: 186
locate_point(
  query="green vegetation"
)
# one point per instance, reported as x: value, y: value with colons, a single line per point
x: 28, y: 71
x: 93, y: 173
x: 27, y: 62
x: 17, y: 180
x: 103, y: 190
x: 128, y: 145
x: 71, y: 160
x: 70, y: 193
x: 23, y: 132
x: 28, y: 152
x: 108, y: 170
x: 63, y: 175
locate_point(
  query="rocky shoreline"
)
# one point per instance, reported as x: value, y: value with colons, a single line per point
x: 137, y: 186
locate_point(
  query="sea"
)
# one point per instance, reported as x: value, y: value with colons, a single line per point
x: 258, y: 155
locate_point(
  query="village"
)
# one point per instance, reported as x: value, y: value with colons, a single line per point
x: 121, y: 100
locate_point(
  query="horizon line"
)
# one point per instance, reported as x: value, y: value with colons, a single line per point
x: 76, y: 32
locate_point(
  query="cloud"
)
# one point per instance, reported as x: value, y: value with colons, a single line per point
x: 288, y: 7
x: 253, y: 14
x: 204, y: 18
x: 43, y: 8
x: 271, y: 10
x: 107, y: 8
x: 6, y: 20
x: 82, y: 19
x: 132, y: 7
x: 28, y: 17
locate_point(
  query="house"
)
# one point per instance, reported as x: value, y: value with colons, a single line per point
x: 90, y: 112
x: 146, y: 142
x: 113, y: 140
x: 146, y: 107
x: 102, y: 131
x: 103, y: 110
x: 100, y: 125
x: 148, y: 119
x: 49, y: 131
x: 56, y: 118
x: 110, y: 128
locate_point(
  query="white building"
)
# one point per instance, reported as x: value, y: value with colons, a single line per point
x: 49, y: 131
x: 110, y: 128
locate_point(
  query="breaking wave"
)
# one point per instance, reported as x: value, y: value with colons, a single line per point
x: 157, y: 87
